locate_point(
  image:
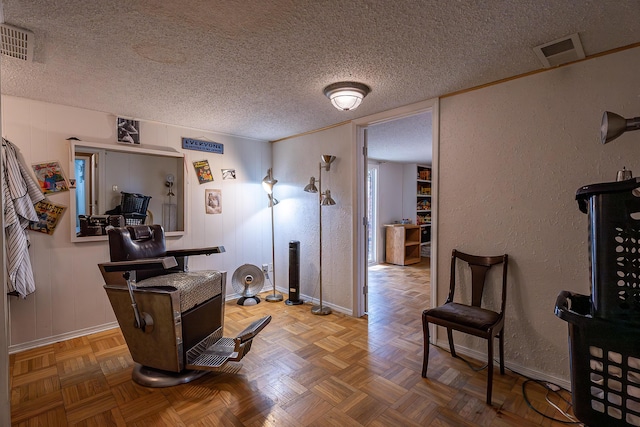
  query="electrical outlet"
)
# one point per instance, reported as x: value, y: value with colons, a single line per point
x: 265, y: 268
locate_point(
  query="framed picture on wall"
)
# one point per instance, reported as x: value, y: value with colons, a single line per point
x: 213, y: 201
x: 203, y: 171
x: 228, y: 174
x: 49, y: 215
x: 128, y: 131
x: 50, y: 177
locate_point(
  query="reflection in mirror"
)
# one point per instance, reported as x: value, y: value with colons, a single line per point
x: 85, y: 175
x: 122, y: 184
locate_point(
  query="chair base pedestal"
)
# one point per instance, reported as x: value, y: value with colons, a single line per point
x: 150, y: 377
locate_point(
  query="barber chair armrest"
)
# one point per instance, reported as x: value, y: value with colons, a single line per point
x: 196, y: 251
x: 140, y: 264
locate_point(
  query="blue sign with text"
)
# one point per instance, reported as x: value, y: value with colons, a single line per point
x: 198, y: 145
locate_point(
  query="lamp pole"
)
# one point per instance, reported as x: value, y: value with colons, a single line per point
x: 273, y: 297
x: 319, y: 309
x: 268, y: 183
x: 324, y: 198
x: 326, y: 163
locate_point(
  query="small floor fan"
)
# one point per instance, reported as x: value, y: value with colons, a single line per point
x: 248, y: 280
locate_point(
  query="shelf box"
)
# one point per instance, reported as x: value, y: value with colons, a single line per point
x: 403, y: 244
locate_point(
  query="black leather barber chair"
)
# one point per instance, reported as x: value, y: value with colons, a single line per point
x: 172, y: 319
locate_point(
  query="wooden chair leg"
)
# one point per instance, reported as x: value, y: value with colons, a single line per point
x: 451, y: 347
x: 489, y: 369
x: 425, y: 332
x: 501, y: 343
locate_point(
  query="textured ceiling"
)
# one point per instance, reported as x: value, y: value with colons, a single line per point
x: 257, y: 68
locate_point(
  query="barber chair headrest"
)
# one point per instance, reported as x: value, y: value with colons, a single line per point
x: 140, y: 232
x: 136, y: 242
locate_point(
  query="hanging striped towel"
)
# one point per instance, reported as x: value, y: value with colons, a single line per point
x: 19, y: 193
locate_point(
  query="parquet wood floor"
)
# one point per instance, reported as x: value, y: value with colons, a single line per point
x: 303, y: 370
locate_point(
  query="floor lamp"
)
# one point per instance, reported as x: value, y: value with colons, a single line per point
x: 268, y: 182
x: 324, y: 199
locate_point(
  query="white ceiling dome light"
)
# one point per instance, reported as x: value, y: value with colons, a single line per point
x: 346, y: 96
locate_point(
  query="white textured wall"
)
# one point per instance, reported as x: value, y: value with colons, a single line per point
x: 295, y: 160
x: 511, y: 159
x: 69, y: 299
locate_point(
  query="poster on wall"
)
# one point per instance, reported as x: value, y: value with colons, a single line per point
x: 203, y: 171
x: 49, y: 215
x: 50, y: 177
x: 228, y: 174
x: 128, y: 131
x: 213, y: 201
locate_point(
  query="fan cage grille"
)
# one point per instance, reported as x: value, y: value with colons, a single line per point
x: 239, y: 283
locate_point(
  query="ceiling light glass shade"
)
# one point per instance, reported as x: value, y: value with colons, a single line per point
x: 327, y: 200
x: 311, y: 186
x: 268, y: 182
x: 614, y: 125
x: 346, y: 96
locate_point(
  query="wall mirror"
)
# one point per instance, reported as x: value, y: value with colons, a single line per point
x: 146, y: 184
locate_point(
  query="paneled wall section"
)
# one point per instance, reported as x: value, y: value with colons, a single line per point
x: 69, y: 299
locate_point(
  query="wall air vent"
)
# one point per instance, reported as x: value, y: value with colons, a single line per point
x: 561, y: 51
x: 16, y: 42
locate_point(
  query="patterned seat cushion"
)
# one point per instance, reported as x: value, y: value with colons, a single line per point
x: 195, y: 287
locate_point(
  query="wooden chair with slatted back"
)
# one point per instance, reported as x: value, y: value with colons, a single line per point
x: 471, y: 319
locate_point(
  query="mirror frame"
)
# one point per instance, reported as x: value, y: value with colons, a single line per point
x: 121, y: 148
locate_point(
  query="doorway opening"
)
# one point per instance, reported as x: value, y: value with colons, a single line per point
x: 396, y: 147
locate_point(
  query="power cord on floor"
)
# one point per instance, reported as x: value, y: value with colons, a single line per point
x: 549, y: 386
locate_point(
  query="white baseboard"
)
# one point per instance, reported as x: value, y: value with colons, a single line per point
x: 62, y: 337
x: 88, y: 331
x: 519, y: 369
x: 316, y: 301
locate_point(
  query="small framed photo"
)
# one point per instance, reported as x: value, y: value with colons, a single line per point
x: 128, y: 131
x: 50, y: 177
x: 213, y: 201
x: 228, y: 174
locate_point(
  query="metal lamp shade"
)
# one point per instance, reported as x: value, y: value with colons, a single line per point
x: 327, y: 159
x: 268, y: 182
x: 311, y: 186
x: 614, y: 125
x: 327, y: 200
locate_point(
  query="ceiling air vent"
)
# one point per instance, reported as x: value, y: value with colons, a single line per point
x: 16, y: 42
x: 561, y: 51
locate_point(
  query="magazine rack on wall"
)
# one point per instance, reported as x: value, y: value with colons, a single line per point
x: 100, y: 172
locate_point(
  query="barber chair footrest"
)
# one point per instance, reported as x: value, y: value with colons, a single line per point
x: 213, y: 352
x: 215, y: 356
